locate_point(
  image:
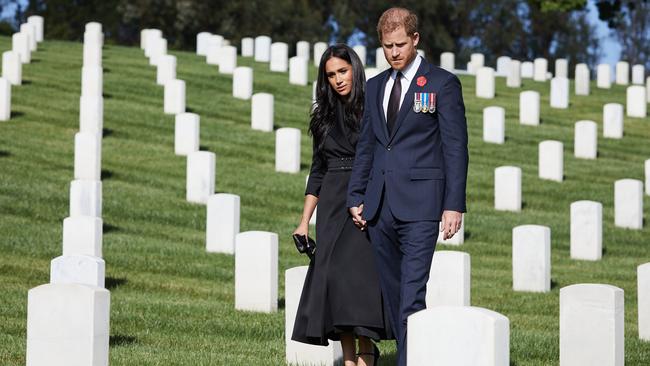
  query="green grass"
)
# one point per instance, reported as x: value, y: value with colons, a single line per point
x: 173, y: 304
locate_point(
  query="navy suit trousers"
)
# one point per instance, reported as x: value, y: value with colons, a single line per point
x: 403, y: 251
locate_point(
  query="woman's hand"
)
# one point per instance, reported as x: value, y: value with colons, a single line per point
x: 302, y: 229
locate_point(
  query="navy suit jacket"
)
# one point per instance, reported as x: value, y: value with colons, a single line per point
x: 422, y: 164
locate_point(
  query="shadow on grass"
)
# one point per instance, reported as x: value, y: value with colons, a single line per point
x: 25, y: 82
x: 189, y: 110
x: 107, y: 96
x: 108, y: 228
x: 106, y: 132
x: 4, y: 154
x: 553, y: 284
x: 112, y: 282
x: 107, y: 174
x: 106, y: 70
x: 204, y: 148
x: 281, y: 303
x: 15, y: 114
x: 304, y: 166
x: 119, y: 340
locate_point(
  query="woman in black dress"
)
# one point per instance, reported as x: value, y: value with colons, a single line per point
x: 341, y: 298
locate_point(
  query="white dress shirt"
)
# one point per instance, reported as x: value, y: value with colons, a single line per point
x: 407, y: 76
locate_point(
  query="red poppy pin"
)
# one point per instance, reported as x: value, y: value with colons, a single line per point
x: 422, y: 81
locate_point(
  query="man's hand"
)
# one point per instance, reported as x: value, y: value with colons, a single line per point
x: 451, y: 221
x: 356, y: 216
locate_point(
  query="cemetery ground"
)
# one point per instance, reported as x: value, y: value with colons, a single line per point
x: 173, y: 304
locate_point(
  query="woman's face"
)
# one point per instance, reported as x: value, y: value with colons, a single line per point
x: 339, y: 75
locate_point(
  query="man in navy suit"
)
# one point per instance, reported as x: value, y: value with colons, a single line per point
x: 410, y: 169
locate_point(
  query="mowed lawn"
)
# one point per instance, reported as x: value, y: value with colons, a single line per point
x: 173, y: 304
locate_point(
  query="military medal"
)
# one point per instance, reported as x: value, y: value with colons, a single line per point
x: 432, y: 102
x: 417, y: 104
x: 425, y: 102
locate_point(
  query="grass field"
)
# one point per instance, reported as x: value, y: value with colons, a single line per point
x: 173, y: 304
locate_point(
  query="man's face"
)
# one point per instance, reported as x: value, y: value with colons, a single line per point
x: 399, y: 48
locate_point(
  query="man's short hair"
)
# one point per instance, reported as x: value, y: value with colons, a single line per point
x: 394, y: 18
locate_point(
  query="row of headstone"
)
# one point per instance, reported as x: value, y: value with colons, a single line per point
x: 68, y: 319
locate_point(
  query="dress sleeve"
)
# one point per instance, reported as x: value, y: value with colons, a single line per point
x: 316, y: 174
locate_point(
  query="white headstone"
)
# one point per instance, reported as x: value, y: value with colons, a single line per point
x: 157, y: 49
x: 361, y: 52
x: 643, y: 294
x: 613, y: 120
x: 298, y: 72
x: 301, y: 353
x: 81, y: 269
x: 262, y: 48
x: 380, y: 59
x: 449, y: 280
x: 638, y: 74
x: 256, y: 271
x: 582, y: 79
x: 540, y: 66
x: 513, y: 79
x: 585, y: 144
x: 201, y: 170
x: 37, y: 21
x: 187, y: 128
x: 279, y: 57
x: 494, y: 124
x: 82, y: 235
x: 560, y: 92
x: 247, y: 47
x: 93, y: 27
x: 222, y: 223
x: 213, y: 49
x: 20, y: 45
x: 628, y: 203
x: 262, y: 112
x: 150, y: 37
x: 371, y: 72
x: 202, y: 39
x: 457, y: 239
x: 87, y: 156
x: 303, y: 49
x: 242, y: 82
x: 477, y: 60
x: 586, y: 230
x: 647, y: 88
x: 92, y: 81
x: 531, y: 258
x: 604, y: 76
x: 447, y: 60
x: 166, y: 69
x: 485, y: 82
x: 507, y: 188
x: 227, y: 60
x: 636, y: 101
x: 91, y: 114
x: 551, y: 160
x: 12, y: 68
x: 92, y: 53
x: 67, y: 324
x: 592, y: 325
x: 529, y: 108
x: 319, y: 49
x: 174, y: 97
x: 503, y: 65
x: 622, y: 73
x: 458, y: 335
x: 527, y: 70
x: 30, y: 30
x: 287, y: 150
x: 562, y: 68
x: 5, y: 99
x: 86, y: 198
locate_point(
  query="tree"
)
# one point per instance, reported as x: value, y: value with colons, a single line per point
x: 630, y: 24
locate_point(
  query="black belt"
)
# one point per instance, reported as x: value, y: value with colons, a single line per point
x: 340, y: 164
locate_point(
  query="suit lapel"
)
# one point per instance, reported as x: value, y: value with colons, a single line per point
x: 407, y: 103
x: 380, y: 103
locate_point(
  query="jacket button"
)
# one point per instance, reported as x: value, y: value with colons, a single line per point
x: 388, y: 147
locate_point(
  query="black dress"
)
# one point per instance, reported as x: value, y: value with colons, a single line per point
x: 341, y: 291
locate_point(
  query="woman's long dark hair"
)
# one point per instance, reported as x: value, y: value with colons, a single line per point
x: 323, y: 115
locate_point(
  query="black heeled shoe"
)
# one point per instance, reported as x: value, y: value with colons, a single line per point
x: 375, y: 354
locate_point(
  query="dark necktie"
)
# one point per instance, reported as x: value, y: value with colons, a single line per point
x: 393, y: 103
